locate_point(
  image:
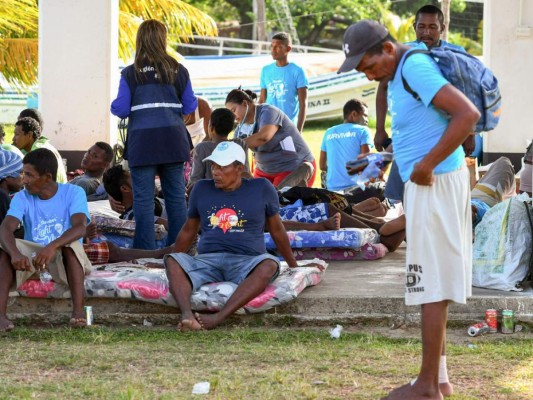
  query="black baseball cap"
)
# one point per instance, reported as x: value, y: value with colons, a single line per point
x: 358, y: 38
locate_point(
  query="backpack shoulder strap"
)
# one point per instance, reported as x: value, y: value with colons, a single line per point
x: 405, y: 84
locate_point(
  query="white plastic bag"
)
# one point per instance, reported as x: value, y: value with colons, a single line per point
x: 503, y: 246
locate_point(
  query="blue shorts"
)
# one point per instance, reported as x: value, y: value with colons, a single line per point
x: 219, y: 267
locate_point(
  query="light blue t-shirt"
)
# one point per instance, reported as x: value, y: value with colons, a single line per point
x: 282, y: 84
x: 417, y: 126
x: 46, y: 220
x: 343, y: 143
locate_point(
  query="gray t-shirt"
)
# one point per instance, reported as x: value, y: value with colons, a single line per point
x: 201, y: 169
x: 287, y: 149
x: 87, y: 183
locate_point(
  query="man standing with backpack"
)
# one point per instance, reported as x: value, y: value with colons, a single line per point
x: 428, y: 26
x: 431, y: 161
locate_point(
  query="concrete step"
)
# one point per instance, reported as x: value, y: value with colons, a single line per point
x: 357, y: 291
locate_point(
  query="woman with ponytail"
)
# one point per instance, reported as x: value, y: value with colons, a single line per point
x: 280, y: 152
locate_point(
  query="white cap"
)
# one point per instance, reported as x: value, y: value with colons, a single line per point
x: 227, y: 152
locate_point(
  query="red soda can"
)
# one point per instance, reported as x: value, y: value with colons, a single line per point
x: 491, y: 318
x: 478, y: 329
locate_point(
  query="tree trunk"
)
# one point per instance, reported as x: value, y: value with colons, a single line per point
x: 446, y: 11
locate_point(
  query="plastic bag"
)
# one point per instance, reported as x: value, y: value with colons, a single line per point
x: 503, y: 246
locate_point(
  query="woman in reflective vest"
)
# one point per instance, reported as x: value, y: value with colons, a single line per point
x: 154, y: 94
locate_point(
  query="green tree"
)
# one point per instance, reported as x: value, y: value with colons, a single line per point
x: 19, y: 32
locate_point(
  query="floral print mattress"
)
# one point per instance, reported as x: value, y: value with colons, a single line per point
x: 136, y: 281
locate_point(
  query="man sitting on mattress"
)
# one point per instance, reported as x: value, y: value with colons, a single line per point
x: 54, y: 217
x: 230, y: 212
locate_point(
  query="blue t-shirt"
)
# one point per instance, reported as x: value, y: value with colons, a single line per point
x: 417, y: 126
x: 482, y: 209
x: 443, y: 43
x: 233, y: 222
x: 343, y: 143
x: 46, y: 220
x: 282, y: 84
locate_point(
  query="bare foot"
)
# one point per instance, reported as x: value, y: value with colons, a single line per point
x: 5, y: 324
x: 208, y: 321
x: 392, y: 241
x: 77, y: 320
x: 333, y: 223
x: 413, y: 392
x: 189, y: 324
x: 445, y: 388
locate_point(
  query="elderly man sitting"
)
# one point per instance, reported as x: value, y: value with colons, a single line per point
x: 230, y: 212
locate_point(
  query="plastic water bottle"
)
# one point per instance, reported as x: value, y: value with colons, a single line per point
x: 368, y: 167
x: 44, y: 275
x: 381, y: 160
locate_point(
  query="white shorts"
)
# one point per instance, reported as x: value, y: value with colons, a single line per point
x: 439, y: 239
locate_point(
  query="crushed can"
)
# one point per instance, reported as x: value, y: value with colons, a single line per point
x: 507, y: 321
x: 89, y: 315
x: 478, y: 329
x: 491, y: 318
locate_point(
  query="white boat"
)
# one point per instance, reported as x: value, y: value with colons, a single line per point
x: 214, y: 76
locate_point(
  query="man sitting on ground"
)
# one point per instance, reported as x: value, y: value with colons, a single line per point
x: 94, y: 163
x: 232, y: 245
x: 28, y: 136
x: 117, y: 183
x: 54, y: 217
x: 10, y: 179
x: 344, y: 142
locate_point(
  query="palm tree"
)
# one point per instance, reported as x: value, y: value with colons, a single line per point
x: 19, y: 32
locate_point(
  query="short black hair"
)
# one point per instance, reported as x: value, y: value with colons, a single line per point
x: 222, y: 121
x: 430, y: 9
x: 113, y: 179
x: 29, y: 124
x: 43, y: 160
x: 378, y: 48
x: 33, y: 113
x: 353, y: 105
x: 108, y: 150
x: 2, y: 132
x: 284, y: 37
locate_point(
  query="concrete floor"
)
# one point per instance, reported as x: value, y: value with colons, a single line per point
x: 354, y: 291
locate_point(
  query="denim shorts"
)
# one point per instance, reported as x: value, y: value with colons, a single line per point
x: 219, y: 267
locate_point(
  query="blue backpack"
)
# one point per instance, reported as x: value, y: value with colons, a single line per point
x: 471, y: 77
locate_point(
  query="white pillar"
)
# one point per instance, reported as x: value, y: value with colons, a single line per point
x: 78, y: 73
x: 507, y: 45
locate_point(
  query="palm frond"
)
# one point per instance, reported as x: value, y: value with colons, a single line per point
x: 18, y: 18
x: 181, y: 19
x: 19, y: 61
x: 19, y: 32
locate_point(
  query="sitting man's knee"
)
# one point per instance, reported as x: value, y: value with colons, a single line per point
x: 267, y: 268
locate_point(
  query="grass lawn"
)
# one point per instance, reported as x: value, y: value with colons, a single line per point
x: 246, y: 363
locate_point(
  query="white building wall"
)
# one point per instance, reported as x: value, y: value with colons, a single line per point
x: 78, y: 42
x: 508, y: 51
